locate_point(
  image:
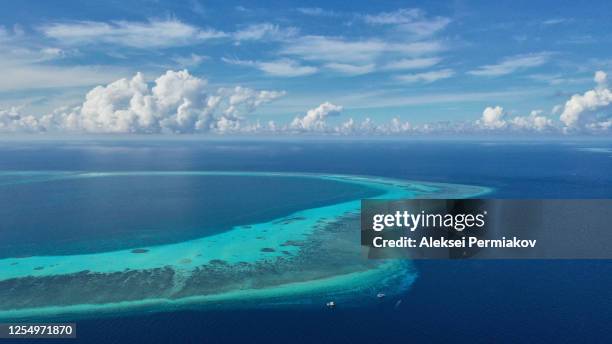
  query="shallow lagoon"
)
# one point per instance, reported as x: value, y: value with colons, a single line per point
x: 304, y: 256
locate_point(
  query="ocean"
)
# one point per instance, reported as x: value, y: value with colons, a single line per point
x: 476, y: 301
x: 123, y: 212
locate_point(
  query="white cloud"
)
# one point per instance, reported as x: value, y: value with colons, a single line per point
x: 315, y: 119
x: 426, y: 76
x: 535, y: 121
x: 555, y: 21
x: 285, y: 67
x: 414, y: 63
x: 281, y: 67
x: 243, y: 100
x: 413, y: 21
x: 177, y: 103
x: 320, y: 48
x: 339, y: 50
x: 12, y: 120
x: 316, y: 12
x: 151, y: 34
x: 192, y: 60
x: 264, y: 31
x: 493, y: 118
x: 26, y: 65
x: 167, y: 112
x: 400, y: 16
x: 601, y: 78
x: 17, y: 76
x: 345, y: 55
x: 174, y: 104
x: 591, y: 109
x: 350, y: 69
x: 348, y: 127
x: 397, y: 126
x: 557, y: 79
x: 512, y: 64
x: 368, y: 127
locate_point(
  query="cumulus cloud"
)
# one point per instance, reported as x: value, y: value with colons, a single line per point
x: 601, y: 79
x: 535, y: 121
x: 150, y: 34
x: 511, y: 64
x: 590, y: 110
x: 494, y: 118
x: 242, y: 100
x: 315, y: 119
x: 367, y: 126
x: 175, y: 103
x: 397, y: 126
x: 347, y: 127
x: 178, y: 102
x: 352, y: 127
x: 12, y: 120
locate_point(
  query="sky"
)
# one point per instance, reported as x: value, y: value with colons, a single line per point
x: 331, y: 67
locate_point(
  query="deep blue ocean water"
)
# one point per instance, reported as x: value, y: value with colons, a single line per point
x: 459, y: 301
x: 84, y: 215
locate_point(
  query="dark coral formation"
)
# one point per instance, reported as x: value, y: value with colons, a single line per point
x: 332, y: 249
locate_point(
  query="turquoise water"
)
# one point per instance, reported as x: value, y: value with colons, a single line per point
x: 311, y: 252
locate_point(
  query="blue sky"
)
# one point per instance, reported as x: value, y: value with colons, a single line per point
x: 420, y: 62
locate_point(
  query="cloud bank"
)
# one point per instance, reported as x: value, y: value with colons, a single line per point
x: 178, y: 102
x: 495, y: 118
